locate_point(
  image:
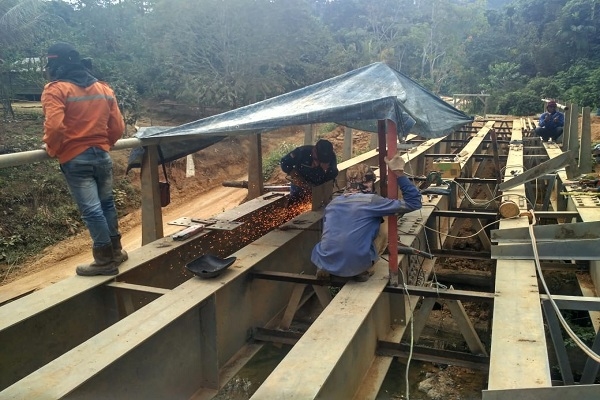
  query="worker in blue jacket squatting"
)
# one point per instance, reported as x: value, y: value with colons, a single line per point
x: 551, y: 123
x: 309, y: 166
x: 353, y: 234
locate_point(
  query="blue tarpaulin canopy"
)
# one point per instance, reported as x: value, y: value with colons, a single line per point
x: 357, y: 99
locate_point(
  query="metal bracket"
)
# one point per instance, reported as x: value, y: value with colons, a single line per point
x: 211, y: 223
x: 572, y: 241
x: 544, y: 168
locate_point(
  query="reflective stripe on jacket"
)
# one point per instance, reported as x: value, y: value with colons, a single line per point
x: 78, y: 118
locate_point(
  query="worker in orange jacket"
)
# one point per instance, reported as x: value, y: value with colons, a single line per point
x: 82, y: 123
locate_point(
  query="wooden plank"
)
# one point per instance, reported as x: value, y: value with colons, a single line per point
x: 518, y: 356
x: 138, y: 288
x: 472, y: 147
x: 152, y: 224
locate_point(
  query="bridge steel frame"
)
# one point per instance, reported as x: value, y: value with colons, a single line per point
x: 156, y: 331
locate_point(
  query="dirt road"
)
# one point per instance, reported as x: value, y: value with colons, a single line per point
x: 56, y: 265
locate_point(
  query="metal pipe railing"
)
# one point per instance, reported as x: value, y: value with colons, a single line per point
x: 32, y: 156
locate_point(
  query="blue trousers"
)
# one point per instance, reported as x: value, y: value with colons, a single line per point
x: 90, y: 181
x: 547, y: 133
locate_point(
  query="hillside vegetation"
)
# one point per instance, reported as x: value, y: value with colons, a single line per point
x: 223, y: 55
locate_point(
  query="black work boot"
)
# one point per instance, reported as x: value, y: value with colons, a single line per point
x: 362, y: 277
x: 119, y: 255
x: 103, y: 263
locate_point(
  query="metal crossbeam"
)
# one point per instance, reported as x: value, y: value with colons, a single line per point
x: 582, y: 249
x: 570, y: 231
x: 538, y: 171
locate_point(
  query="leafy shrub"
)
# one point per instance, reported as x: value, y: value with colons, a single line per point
x: 582, y: 81
x: 545, y: 87
x: 325, y: 129
x: 519, y: 103
x: 271, y: 161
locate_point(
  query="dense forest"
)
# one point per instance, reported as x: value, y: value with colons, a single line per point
x: 223, y: 54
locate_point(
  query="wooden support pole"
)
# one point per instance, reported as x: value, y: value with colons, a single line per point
x: 292, y: 306
x: 574, y: 139
x: 373, y: 142
x: 347, y: 143
x: 496, y: 155
x: 585, y: 151
x: 152, y: 225
x: 567, y: 128
x: 466, y: 327
x: 255, y: 176
x: 308, y: 134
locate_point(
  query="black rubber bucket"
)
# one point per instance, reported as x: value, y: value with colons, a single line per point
x: 209, y: 265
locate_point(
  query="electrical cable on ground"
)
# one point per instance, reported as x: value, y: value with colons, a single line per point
x: 468, y: 236
x: 562, y: 320
x: 412, y: 341
x: 485, y: 203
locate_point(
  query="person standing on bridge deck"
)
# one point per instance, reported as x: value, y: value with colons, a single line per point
x: 82, y: 122
x: 551, y: 123
x: 353, y: 234
x: 309, y: 166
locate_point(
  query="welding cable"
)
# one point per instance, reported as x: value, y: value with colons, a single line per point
x: 510, y: 166
x: 481, y: 203
x: 562, y: 320
x: 412, y: 334
x: 428, y: 246
x: 469, y: 236
x: 426, y: 239
x: 473, y: 201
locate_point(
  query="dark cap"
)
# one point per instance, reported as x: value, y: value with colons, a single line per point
x: 62, y: 53
x: 324, y: 150
x: 551, y: 103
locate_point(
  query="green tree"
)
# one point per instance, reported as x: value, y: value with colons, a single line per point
x: 545, y: 87
x: 504, y: 77
x: 582, y: 83
x: 577, y: 26
x: 228, y: 54
x: 18, y: 25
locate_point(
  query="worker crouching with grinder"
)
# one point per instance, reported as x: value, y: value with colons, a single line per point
x: 353, y: 235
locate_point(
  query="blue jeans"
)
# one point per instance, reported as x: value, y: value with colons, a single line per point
x: 89, y: 177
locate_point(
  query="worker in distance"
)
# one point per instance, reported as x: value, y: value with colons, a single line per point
x: 551, y: 123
